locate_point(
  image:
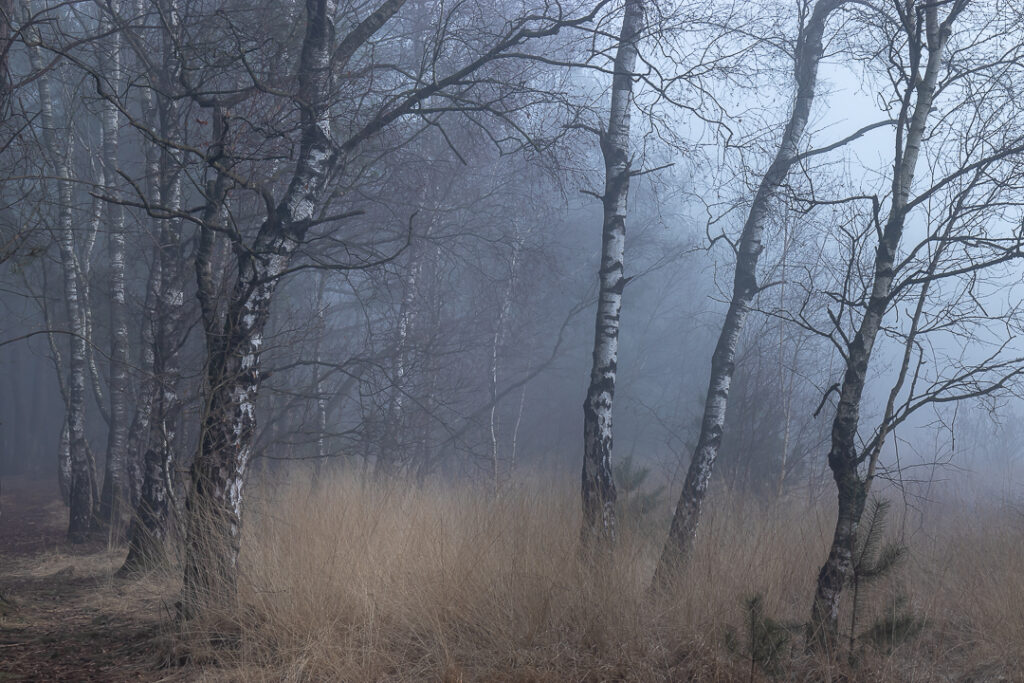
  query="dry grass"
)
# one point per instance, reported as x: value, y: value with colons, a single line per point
x: 445, y: 583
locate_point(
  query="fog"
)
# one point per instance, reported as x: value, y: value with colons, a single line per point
x: 760, y: 251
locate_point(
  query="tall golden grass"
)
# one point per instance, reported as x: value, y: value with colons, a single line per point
x: 363, y: 583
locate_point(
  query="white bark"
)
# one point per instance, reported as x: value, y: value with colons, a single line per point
x: 233, y: 366
x: 318, y: 386
x: 115, y: 503
x: 157, y: 419
x: 515, y: 430
x: 698, y: 476
x: 598, y: 484
x: 58, y: 154
x: 500, y: 327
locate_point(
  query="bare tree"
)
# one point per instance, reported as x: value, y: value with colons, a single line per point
x: 233, y: 353
x: 58, y: 155
x: 969, y: 203
x: 598, y: 487
x: 808, y: 54
x: 115, y: 501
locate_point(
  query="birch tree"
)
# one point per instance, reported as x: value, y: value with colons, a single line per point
x: 956, y: 106
x: 598, y: 487
x: 154, y: 435
x: 500, y: 332
x: 808, y: 54
x: 115, y: 502
x: 233, y: 354
x: 58, y: 154
x: 928, y: 36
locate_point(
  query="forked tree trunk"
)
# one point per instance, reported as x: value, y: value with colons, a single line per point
x: 233, y: 364
x: 844, y: 456
x: 745, y: 287
x: 214, y: 506
x: 598, y: 483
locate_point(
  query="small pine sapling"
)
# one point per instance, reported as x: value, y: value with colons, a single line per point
x: 767, y: 638
x: 635, y: 504
x: 872, y: 560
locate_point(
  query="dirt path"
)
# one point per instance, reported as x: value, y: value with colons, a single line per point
x: 62, y: 615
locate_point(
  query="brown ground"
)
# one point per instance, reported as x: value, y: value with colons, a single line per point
x: 63, y: 617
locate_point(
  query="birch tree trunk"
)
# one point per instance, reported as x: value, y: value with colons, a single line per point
x: 514, y: 446
x: 82, y: 476
x: 318, y: 385
x: 114, y: 504
x: 745, y: 287
x: 141, y: 427
x: 598, y: 484
x: 138, y: 432
x: 56, y: 357
x: 500, y: 326
x: 150, y: 527
x: 214, y: 506
x: 395, y: 425
x: 233, y: 355
x: 157, y: 420
x: 844, y: 455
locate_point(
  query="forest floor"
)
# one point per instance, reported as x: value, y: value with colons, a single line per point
x: 63, y: 616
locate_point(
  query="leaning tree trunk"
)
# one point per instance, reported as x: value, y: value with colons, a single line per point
x: 598, y: 484
x: 214, y: 505
x: 81, y: 484
x: 688, y: 509
x: 844, y: 456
